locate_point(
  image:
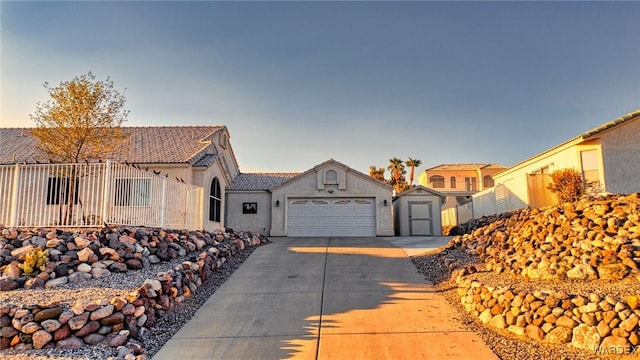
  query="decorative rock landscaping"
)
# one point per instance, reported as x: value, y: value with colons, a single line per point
x: 573, y: 273
x: 90, y: 258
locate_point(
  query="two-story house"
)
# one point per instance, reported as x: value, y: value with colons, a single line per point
x: 459, y: 181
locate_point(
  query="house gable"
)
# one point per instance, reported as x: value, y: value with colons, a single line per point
x: 422, y: 190
x: 332, y: 182
x: 324, y: 176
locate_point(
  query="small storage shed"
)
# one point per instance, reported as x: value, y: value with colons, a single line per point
x: 416, y: 212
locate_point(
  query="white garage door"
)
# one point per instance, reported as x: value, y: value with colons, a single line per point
x: 332, y: 217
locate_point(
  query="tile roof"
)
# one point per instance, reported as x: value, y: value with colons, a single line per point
x: 159, y: 144
x: 17, y: 146
x: 206, y: 161
x: 608, y: 125
x: 260, y: 181
x: 634, y: 115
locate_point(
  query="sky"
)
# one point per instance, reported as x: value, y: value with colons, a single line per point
x: 299, y: 83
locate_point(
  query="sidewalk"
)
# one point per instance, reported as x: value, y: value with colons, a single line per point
x: 321, y: 298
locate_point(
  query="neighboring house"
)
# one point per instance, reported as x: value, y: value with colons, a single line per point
x: 329, y: 199
x: 457, y: 182
x: 416, y: 212
x: 606, y: 157
x: 198, y: 155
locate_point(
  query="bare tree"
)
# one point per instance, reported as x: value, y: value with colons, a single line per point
x: 81, y: 122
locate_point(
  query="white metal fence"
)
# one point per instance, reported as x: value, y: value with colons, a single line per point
x: 496, y: 200
x: 457, y: 215
x: 90, y: 195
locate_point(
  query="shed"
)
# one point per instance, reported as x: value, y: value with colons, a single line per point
x: 416, y: 212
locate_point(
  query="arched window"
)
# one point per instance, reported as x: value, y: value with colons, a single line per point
x: 215, y: 200
x: 453, y: 182
x: 436, y: 181
x: 331, y: 177
x: 487, y: 182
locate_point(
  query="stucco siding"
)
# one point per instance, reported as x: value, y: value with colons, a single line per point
x: 511, y: 190
x: 516, y: 180
x: 350, y: 185
x: 620, y: 152
x: 402, y: 213
x: 260, y: 222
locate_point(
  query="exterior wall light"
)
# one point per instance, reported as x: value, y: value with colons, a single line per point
x: 277, y: 203
x: 385, y: 202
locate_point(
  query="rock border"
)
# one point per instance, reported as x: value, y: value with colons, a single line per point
x: 117, y: 319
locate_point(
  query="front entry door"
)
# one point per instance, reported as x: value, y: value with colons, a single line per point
x: 420, y: 218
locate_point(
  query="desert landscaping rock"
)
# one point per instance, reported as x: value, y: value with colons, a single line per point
x: 568, y: 274
x: 112, y: 309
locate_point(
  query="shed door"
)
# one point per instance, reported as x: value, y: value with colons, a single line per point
x: 420, y: 218
x: 331, y: 217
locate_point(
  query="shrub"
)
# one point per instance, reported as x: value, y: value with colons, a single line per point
x: 567, y: 185
x: 36, y: 259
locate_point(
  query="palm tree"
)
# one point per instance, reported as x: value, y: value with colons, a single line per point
x: 396, y: 167
x: 413, y: 164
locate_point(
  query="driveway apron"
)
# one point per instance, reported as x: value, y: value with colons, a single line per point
x: 326, y: 298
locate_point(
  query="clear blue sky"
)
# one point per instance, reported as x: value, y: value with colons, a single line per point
x: 298, y: 83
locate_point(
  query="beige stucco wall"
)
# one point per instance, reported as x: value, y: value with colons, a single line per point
x: 204, y: 178
x: 620, y: 150
x: 260, y: 222
x: 200, y: 177
x: 511, y: 190
x: 354, y: 186
x: 567, y: 156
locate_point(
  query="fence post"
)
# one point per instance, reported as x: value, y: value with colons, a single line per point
x: 163, y: 205
x: 13, y: 219
x: 107, y: 191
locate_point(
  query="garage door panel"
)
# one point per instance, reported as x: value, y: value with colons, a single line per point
x: 331, y: 217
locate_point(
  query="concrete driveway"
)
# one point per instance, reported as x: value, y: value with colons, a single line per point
x: 327, y: 298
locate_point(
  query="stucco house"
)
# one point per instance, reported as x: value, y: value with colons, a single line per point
x: 198, y: 155
x: 329, y: 199
x: 457, y: 182
x: 606, y: 156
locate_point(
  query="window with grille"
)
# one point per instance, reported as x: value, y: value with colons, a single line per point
x: 470, y: 184
x: 436, y: 181
x: 59, y: 189
x: 215, y: 200
x: 452, y: 180
x: 590, y: 170
x: 133, y: 192
x: 487, y: 182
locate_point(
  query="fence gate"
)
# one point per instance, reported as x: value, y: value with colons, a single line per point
x: 539, y: 194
